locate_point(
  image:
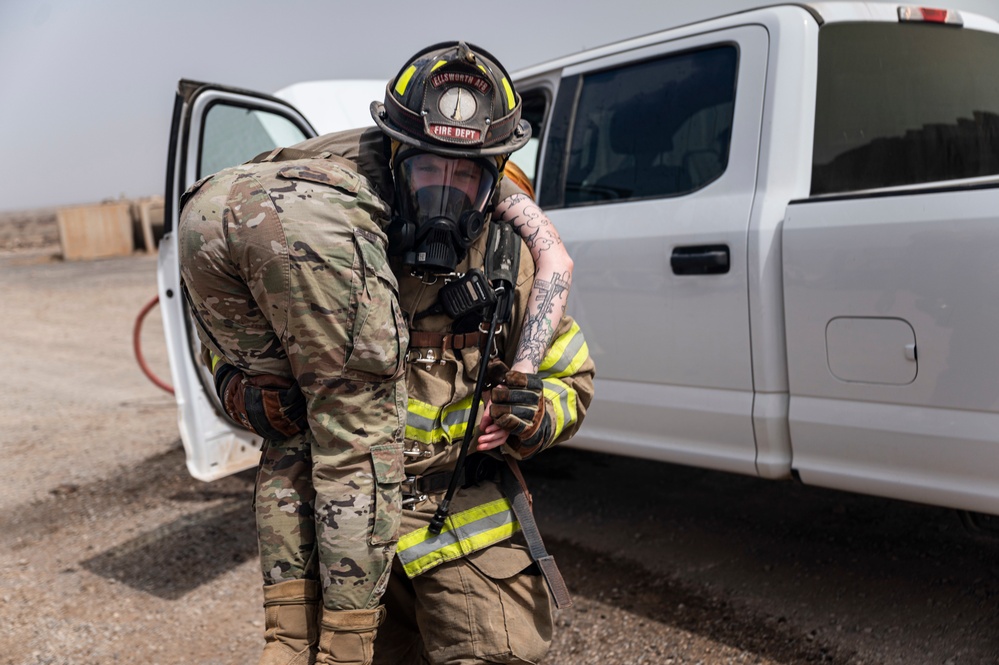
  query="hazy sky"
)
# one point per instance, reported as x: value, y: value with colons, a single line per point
x: 87, y: 85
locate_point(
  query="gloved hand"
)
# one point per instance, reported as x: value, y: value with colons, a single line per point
x: 518, y: 406
x: 271, y: 406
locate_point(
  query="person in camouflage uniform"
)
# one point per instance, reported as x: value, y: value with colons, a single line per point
x: 471, y: 593
x: 285, y: 271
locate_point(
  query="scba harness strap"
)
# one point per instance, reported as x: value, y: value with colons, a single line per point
x: 520, y: 502
x: 479, y: 467
x: 429, y: 347
x: 502, y: 262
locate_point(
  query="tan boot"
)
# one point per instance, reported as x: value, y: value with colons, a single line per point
x: 291, y: 616
x: 348, y: 636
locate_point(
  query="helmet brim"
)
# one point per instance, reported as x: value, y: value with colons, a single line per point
x: 517, y: 140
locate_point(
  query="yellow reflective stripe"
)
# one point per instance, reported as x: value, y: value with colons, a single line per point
x: 463, y: 533
x: 459, y: 549
x: 420, y: 421
x: 566, y: 355
x: 563, y: 399
x: 438, y: 65
x: 403, y: 82
x: 511, y: 101
x: 422, y: 408
x: 430, y: 424
x: 215, y: 360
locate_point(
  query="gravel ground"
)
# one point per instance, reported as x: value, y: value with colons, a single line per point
x: 111, y: 553
x: 29, y: 229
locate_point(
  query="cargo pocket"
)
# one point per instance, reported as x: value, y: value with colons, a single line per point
x: 512, y: 594
x: 386, y: 461
x: 379, y: 339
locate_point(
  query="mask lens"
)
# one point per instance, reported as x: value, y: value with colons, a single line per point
x: 433, y: 187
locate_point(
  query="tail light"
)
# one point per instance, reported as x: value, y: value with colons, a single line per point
x: 929, y: 15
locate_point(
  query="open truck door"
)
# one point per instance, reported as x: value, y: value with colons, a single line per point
x: 213, y: 127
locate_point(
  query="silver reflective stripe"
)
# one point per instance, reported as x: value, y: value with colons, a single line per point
x: 446, y: 538
x: 422, y: 423
x: 464, y: 532
x: 457, y: 417
x: 562, y: 391
x: 571, y: 349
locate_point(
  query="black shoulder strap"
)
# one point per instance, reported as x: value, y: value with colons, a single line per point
x: 503, y: 263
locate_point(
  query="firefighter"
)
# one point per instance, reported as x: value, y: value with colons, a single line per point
x: 473, y: 592
x: 446, y: 128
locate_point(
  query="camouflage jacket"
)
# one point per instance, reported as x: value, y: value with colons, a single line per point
x: 284, y: 267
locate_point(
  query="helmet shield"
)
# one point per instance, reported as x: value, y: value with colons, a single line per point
x: 442, y: 200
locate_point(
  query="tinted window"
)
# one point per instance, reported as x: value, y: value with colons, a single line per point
x: 233, y: 134
x: 653, y: 129
x: 900, y: 104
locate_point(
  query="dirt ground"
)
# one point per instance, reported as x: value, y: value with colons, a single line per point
x: 111, y: 553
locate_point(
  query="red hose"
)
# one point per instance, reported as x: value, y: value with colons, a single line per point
x: 137, y: 346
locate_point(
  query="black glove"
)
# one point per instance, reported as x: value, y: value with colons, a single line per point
x: 271, y: 406
x: 518, y: 406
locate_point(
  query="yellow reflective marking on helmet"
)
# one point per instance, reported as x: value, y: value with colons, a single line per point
x: 438, y: 65
x: 463, y: 533
x: 511, y: 101
x: 403, y: 82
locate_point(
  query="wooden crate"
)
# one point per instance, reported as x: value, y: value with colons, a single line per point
x: 95, y: 231
x: 148, y: 213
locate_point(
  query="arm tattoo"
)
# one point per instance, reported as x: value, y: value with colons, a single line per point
x: 532, y: 224
x: 541, y: 318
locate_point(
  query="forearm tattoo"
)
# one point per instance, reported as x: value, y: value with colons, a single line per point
x: 550, y: 290
x: 543, y: 314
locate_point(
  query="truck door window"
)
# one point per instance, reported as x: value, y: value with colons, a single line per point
x: 653, y: 129
x: 232, y: 134
x: 535, y: 103
x: 904, y: 103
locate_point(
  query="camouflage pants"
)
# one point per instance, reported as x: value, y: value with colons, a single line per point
x: 329, y: 515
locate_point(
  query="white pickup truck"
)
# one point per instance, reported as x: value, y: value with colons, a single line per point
x: 785, y: 226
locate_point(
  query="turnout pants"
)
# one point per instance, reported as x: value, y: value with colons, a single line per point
x: 491, y: 606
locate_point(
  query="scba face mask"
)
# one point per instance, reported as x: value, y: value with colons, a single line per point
x: 452, y: 102
x: 440, y: 208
